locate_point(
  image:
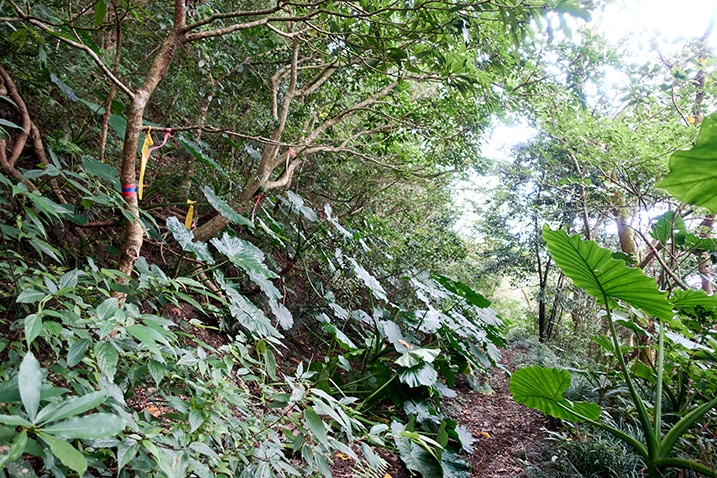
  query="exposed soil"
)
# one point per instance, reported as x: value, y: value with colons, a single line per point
x: 506, y: 431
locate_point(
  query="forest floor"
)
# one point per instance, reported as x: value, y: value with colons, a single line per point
x: 508, y: 433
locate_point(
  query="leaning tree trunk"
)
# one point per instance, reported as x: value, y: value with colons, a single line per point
x: 134, y: 233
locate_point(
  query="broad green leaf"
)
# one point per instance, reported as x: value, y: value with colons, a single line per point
x: 126, y: 451
x: 453, y: 466
x: 669, y: 229
x: 223, y: 208
x: 185, y: 238
x: 414, y: 456
x: 298, y: 202
x: 413, y: 357
x: 92, y: 427
x: 29, y: 381
x: 107, y: 356
x: 340, y: 337
x: 693, y: 173
x: 243, y: 254
x: 101, y: 170
x: 196, y: 418
x: 314, y: 423
x: 465, y: 438
x: 542, y: 388
x: 692, y: 299
x: 68, y: 455
x: 15, y: 450
x: 282, y: 314
x: 370, y: 281
x: 423, y: 374
x: 593, y: 268
x: 461, y: 289
x: 74, y: 406
x: 245, y: 312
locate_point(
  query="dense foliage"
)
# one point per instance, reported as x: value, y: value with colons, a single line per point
x: 229, y: 242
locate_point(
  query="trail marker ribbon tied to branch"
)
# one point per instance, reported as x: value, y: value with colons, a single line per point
x: 129, y: 190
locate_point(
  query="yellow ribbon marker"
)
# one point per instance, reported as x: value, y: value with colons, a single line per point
x: 190, y: 215
x: 143, y: 163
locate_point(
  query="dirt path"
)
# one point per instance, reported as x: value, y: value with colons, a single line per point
x: 506, y: 430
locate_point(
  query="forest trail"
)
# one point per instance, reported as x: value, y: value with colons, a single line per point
x: 507, y: 431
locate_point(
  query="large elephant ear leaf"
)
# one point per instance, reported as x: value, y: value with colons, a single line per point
x: 593, y: 268
x: 693, y: 173
x: 542, y: 388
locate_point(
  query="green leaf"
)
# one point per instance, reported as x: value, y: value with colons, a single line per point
x: 316, y: 425
x: 243, y: 254
x: 185, y: 238
x: 68, y: 455
x: 693, y: 173
x: 223, y: 208
x: 9, y: 124
x: 107, y: 356
x: 100, y: 12
x: 669, y: 228
x: 465, y: 438
x: 77, y: 351
x: 453, y: 466
x: 461, y: 289
x: 423, y: 374
x: 33, y: 327
x: 107, y: 309
x: 414, y: 456
x: 29, y: 381
x: 15, y: 421
x: 413, y: 357
x: 147, y: 336
x: 92, y: 427
x: 593, y: 268
x: 298, y: 202
x: 101, y: 170
x: 126, y: 451
x: 196, y: 418
x: 542, y: 388
x: 30, y: 296
x: 74, y: 406
x: 15, y: 450
x: 370, y: 281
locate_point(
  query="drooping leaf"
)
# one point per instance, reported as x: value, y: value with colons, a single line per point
x: 101, y: 170
x: 466, y: 438
x: 593, y: 268
x: 454, y: 466
x: 414, y: 456
x: 298, y: 203
x: 68, y: 455
x: 369, y: 280
x: 689, y: 300
x: 461, y: 289
x: 413, y: 357
x: 693, y: 173
x: 282, y: 314
x: 92, y: 427
x: 542, y: 388
x: 669, y: 229
x: 245, y: 312
x: 29, y: 381
x: 185, y: 238
x: 74, y: 406
x: 223, y: 208
x: 15, y: 450
x: 421, y: 375
x: 314, y: 423
x: 243, y: 254
x: 30, y: 296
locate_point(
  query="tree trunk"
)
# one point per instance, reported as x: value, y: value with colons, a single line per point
x: 134, y: 233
